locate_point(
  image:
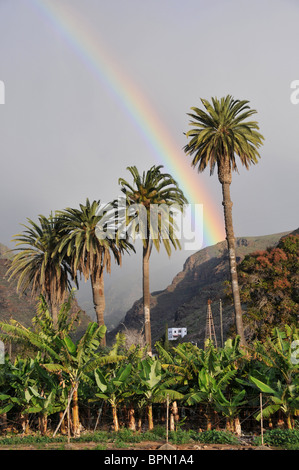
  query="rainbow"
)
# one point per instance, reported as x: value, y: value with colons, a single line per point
x: 81, y: 39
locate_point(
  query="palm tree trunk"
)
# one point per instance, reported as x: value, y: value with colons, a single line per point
x: 224, y: 175
x: 146, y: 295
x: 98, y: 295
x: 54, y: 312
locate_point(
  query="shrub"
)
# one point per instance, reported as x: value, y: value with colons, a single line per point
x: 97, y: 436
x: 216, y: 437
x: 285, y: 438
x: 126, y: 435
x: 181, y: 437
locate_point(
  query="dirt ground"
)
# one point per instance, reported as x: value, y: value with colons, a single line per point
x: 143, y: 446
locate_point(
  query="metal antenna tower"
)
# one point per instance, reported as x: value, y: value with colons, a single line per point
x: 210, y: 328
x: 221, y: 322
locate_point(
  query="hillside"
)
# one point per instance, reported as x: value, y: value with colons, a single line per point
x: 269, y: 287
x: 184, y: 302
x: 4, y: 252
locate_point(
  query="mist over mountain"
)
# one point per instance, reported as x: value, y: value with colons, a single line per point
x: 124, y: 285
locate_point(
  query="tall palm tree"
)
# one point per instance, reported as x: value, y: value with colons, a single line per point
x: 221, y: 133
x: 149, y: 190
x: 36, y: 268
x: 90, y: 253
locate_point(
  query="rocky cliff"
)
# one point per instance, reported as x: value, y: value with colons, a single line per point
x: 184, y: 302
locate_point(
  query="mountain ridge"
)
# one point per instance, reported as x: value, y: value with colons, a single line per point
x: 183, y: 303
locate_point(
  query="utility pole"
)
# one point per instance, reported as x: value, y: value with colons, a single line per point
x: 262, y: 421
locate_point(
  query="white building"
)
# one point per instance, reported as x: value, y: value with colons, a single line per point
x: 175, y: 333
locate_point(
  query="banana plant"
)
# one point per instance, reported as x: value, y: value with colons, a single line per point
x: 278, y: 378
x: 209, y: 385
x: 114, y: 387
x: 217, y: 369
x: 181, y: 365
x: 149, y: 378
x: 284, y: 397
x: 77, y: 359
x: 229, y: 406
x: 19, y: 395
x: 151, y: 388
x: 67, y: 359
x: 46, y: 395
x: 5, y: 388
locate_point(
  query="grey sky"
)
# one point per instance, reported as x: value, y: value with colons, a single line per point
x: 65, y: 137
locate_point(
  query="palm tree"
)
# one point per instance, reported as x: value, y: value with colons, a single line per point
x: 152, y: 190
x: 90, y: 253
x: 36, y: 268
x: 221, y: 133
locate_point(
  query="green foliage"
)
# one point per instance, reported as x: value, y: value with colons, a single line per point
x: 80, y: 242
x: 269, y: 283
x: 35, y: 266
x: 27, y: 440
x: 181, y: 437
x: 279, y: 378
x: 222, y: 130
x: 113, y: 386
x: 284, y: 438
x: 216, y: 437
x: 221, y: 380
x: 97, y: 436
x: 158, y: 433
x: 127, y: 436
x: 152, y: 189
